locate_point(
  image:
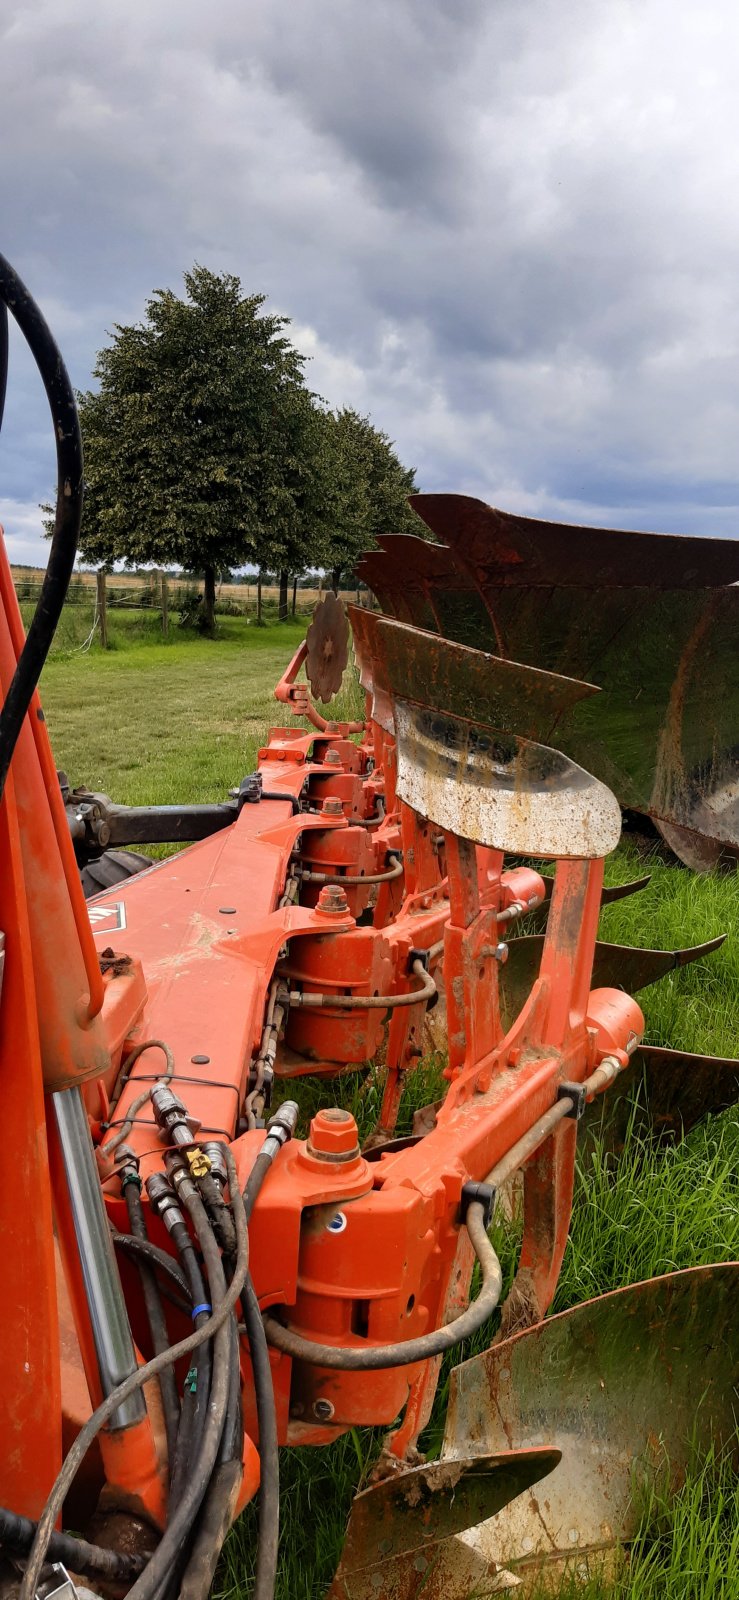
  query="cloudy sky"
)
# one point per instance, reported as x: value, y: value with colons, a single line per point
x: 508, y: 230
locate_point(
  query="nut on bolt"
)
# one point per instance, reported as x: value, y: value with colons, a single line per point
x: 332, y: 758
x: 332, y: 807
x: 332, y: 900
x: 333, y: 1136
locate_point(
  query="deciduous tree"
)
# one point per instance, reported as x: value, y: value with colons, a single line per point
x: 369, y: 491
x: 198, y: 439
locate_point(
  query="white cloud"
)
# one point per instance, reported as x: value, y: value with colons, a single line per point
x: 507, y: 232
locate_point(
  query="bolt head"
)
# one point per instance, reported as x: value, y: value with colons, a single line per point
x: 333, y: 1135
x: 332, y: 808
x: 332, y: 758
x: 323, y: 1410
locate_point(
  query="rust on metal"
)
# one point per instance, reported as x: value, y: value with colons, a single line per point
x: 527, y: 550
x: 466, y: 725
x: 396, y: 1526
x: 666, y: 1093
x: 614, y: 1384
x: 327, y: 653
x: 536, y: 921
x: 653, y: 618
x: 616, y: 966
x: 469, y: 683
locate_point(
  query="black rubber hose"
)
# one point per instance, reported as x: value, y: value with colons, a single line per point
x: 269, y: 1459
x: 156, y: 1319
x: 214, y: 1522
x: 172, y: 1545
x: 3, y: 358
x: 220, y: 1216
x: 90, y: 1560
x: 197, y: 1382
x: 146, y: 1250
x: 268, y: 1538
x: 255, y: 1180
x: 222, y: 1490
x: 282, y: 794
x: 131, y: 1385
x: 60, y: 395
x: 233, y: 1431
x: 219, y: 1505
x: 376, y: 1358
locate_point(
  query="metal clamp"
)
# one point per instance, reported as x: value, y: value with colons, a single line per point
x: 481, y: 1194
x: 578, y: 1094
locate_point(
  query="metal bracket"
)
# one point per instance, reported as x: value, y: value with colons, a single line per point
x: 482, y: 1194
x: 57, y: 1585
x: 577, y: 1093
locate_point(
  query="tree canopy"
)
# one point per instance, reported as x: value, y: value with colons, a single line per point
x: 369, y: 491
x: 204, y: 446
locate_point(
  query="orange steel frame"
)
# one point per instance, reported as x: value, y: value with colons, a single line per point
x: 204, y: 936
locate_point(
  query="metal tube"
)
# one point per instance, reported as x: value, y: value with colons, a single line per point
x: 111, y: 1332
x: 368, y: 1002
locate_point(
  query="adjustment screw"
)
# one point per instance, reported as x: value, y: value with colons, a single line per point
x: 332, y: 900
x: 323, y: 1410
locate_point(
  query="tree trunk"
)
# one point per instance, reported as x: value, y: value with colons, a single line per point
x: 335, y: 576
x: 102, y: 610
x: 282, y: 613
x: 259, y: 598
x: 295, y: 594
x: 209, y: 599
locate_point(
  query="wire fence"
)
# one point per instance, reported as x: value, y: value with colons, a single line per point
x: 173, y: 599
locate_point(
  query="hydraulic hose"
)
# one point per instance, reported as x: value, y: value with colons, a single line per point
x: 205, y: 1234
x: 3, y: 357
x: 269, y: 1459
x: 395, y: 871
x: 378, y: 1357
x: 90, y: 1560
x: 197, y: 1383
x: 256, y: 1178
x: 60, y: 395
x: 219, y: 1504
x: 268, y: 1539
x: 146, y: 1250
x: 369, y: 1002
x: 141, y: 1099
x: 218, y: 1212
x: 215, y: 1491
x: 131, y: 1185
x: 137, y: 1380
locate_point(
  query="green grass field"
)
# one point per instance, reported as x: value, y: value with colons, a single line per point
x: 183, y: 720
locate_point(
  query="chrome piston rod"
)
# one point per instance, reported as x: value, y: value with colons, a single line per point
x: 111, y: 1330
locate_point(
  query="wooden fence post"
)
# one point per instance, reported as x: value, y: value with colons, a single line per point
x: 165, y: 605
x: 102, y: 611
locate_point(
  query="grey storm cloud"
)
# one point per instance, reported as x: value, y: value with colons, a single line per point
x: 507, y: 231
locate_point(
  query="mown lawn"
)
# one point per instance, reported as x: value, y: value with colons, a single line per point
x: 162, y: 721
x: 183, y: 720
